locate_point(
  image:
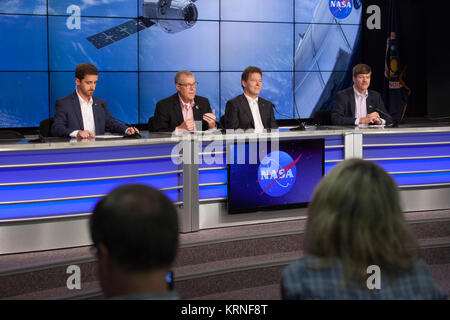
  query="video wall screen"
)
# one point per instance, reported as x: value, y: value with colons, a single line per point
x: 304, y: 47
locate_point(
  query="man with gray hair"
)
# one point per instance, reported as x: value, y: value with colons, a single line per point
x: 183, y: 109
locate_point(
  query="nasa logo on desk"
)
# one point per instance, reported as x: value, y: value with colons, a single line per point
x: 277, y: 173
x: 340, y: 9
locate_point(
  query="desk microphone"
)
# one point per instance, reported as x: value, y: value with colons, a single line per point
x: 301, y: 126
x: 394, y: 122
x: 135, y: 135
x: 218, y: 123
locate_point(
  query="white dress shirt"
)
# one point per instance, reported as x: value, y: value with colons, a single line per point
x: 253, y: 103
x: 188, y: 113
x: 361, y: 106
x: 87, y: 114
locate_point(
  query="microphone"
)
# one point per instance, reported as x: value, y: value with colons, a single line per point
x: 301, y: 126
x: 135, y: 135
x: 218, y: 123
x: 41, y: 138
x: 394, y: 122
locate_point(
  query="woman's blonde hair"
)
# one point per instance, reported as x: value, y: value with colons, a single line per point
x: 355, y: 217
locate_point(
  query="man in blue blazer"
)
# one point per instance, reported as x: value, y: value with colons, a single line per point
x: 81, y: 115
x: 248, y: 111
x: 358, y: 104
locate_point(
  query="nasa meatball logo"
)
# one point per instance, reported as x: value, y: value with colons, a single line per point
x: 340, y: 9
x: 277, y: 173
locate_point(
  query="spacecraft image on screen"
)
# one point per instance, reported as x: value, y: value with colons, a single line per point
x: 323, y: 53
x: 171, y: 15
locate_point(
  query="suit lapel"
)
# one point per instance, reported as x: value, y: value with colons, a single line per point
x: 369, y: 102
x: 96, y: 109
x: 77, y: 109
x: 177, y: 109
x: 352, y: 101
x: 262, y: 110
x: 198, y: 116
x: 246, y: 108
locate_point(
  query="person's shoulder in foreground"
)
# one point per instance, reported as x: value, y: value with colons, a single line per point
x: 357, y: 243
x: 307, y: 278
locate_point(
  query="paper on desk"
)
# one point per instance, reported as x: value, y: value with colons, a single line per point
x: 371, y: 126
x: 108, y: 136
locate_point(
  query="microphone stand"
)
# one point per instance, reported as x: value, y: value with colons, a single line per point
x: 135, y: 135
x: 394, y: 122
x: 301, y: 126
x: 218, y: 123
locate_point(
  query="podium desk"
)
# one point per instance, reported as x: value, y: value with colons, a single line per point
x: 49, y: 189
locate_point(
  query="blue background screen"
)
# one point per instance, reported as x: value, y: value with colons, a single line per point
x: 305, y: 53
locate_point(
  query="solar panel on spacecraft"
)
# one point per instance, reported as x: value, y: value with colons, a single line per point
x: 119, y: 32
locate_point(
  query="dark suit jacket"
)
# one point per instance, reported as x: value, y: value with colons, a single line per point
x: 239, y: 116
x: 68, y: 117
x: 168, y: 114
x: 343, y: 112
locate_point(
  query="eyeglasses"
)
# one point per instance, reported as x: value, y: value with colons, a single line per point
x: 189, y: 85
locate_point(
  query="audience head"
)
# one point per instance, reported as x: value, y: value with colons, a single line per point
x: 355, y: 216
x: 135, y: 231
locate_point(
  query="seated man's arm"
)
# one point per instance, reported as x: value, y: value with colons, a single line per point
x: 231, y: 116
x: 273, y: 121
x: 161, y: 119
x: 111, y: 124
x: 60, y: 122
x: 338, y: 113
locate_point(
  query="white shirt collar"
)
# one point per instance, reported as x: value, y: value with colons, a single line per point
x: 84, y: 101
x: 87, y: 113
x: 251, y: 99
x: 359, y: 94
x: 254, y: 108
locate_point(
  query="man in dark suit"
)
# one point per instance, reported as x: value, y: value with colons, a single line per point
x: 183, y: 110
x: 358, y: 104
x: 80, y: 115
x: 248, y: 111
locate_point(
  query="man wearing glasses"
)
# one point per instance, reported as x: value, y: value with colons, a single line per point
x: 183, y: 110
